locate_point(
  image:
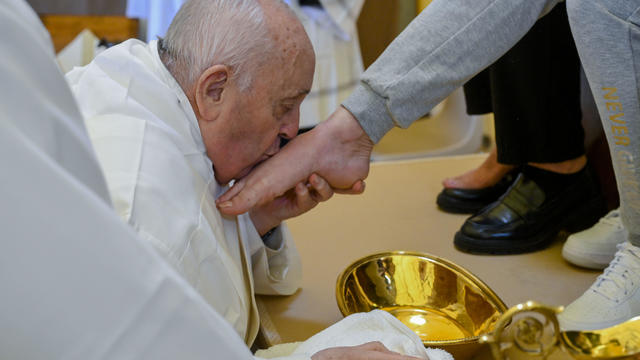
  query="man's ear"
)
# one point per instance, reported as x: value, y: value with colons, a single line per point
x: 210, y: 91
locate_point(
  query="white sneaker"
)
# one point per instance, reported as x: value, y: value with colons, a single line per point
x: 594, y: 248
x: 612, y: 299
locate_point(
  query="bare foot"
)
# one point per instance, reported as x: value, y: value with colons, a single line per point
x: 485, y: 175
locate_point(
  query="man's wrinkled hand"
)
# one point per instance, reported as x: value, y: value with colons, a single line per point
x: 302, y: 198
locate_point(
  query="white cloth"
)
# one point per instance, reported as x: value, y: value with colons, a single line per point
x: 79, y: 52
x: 149, y: 144
x: 357, y: 329
x: 334, y: 36
x: 76, y: 283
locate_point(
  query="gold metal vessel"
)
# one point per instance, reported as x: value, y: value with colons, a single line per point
x: 446, y: 305
x: 532, y: 329
x: 617, y: 342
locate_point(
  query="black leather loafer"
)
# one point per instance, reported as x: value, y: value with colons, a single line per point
x: 525, y: 219
x: 469, y: 201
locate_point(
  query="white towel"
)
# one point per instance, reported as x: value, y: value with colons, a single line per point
x: 357, y: 329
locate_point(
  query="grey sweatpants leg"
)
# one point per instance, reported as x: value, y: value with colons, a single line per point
x: 607, y: 34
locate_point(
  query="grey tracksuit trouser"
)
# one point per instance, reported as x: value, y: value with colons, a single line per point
x: 607, y: 35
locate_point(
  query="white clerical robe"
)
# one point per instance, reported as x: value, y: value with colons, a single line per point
x: 75, y: 281
x: 162, y: 183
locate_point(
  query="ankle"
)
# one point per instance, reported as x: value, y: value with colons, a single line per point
x: 552, y: 182
x: 564, y: 167
x: 342, y: 150
x: 498, y: 170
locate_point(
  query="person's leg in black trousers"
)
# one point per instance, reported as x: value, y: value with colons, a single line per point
x: 534, y: 93
x: 473, y: 190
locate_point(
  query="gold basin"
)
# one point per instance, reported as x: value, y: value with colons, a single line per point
x: 532, y: 329
x: 617, y: 342
x: 446, y: 305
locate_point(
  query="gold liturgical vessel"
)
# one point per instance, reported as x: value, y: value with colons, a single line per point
x: 532, y: 328
x: 450, y: 308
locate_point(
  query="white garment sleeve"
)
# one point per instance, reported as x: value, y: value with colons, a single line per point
x: 277, y: 269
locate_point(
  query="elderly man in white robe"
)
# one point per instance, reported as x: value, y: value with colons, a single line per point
x: 77, y: 282
x: 175, y: 120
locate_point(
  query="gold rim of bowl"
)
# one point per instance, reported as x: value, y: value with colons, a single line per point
x: 499, y: 304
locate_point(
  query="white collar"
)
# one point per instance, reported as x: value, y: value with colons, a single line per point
x: 162, y: 71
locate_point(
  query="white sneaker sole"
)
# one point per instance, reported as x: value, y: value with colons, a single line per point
x: 586, y: 260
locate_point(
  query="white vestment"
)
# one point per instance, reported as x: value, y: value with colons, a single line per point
x: 162, y: 183
x: 75, y: 281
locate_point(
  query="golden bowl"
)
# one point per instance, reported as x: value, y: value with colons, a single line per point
x: 446, y: 305
x: 621, y: 341
x: 531, y: 329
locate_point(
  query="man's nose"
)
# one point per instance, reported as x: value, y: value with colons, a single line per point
x: 289, y: 128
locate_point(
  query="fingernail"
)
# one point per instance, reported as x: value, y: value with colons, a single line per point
x: 225, y: 204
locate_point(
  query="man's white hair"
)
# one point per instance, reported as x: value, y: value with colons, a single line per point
x: 207, y: 32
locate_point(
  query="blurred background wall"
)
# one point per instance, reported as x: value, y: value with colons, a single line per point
x: 380, y: 22
x: 79, y: 7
